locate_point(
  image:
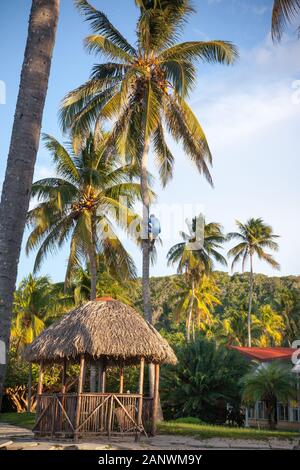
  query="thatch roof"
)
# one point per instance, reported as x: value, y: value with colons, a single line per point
x: 102, y: 328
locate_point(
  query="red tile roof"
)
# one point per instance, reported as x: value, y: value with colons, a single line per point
x: 265, y: 354
x: 106, y: 298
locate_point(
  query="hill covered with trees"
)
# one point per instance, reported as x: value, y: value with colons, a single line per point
x: 273, y: 296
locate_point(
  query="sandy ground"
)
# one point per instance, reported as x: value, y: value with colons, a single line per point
x: 16, y: 438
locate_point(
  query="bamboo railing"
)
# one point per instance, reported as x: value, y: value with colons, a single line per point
x: 77, y: 415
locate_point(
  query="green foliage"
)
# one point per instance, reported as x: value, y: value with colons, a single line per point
x: 281, y: 294
x: 203, y: 382
x: 18, y: 370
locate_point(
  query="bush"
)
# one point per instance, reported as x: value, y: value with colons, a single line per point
x: 204, y: 381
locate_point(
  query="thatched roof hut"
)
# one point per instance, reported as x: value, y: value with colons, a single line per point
x: 104, y: 328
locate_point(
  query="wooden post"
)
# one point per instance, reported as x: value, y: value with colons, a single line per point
x: 103, y: 384
x: 155, y: 400
x: 63, y: 391
x: 79, y: 392
x: 141, y: 393
x: 121, y: 379
x: 100, y: 374
x: 93, y: 376
x: 29, y: 388
x: 110, y: 416
x: 64, y: 377
x: 41, y: 378
x: 101, y: 388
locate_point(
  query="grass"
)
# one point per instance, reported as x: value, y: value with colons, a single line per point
x: 24, y: 420
x: 206, y: 431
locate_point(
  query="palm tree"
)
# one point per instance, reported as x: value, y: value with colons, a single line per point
x: 22, y: 154
x: 197, y: 304
x: 270, y: 326
x: 109, y: 283
x: 195, y: 262
x: 271, y: 382
x: 81, y: 204
x: 284, y: 11
x: 33, y: 302
x: 253, y: 236
x: 232, y: 327
x: 143, y: 89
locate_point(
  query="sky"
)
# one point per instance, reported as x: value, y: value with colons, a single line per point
x: 249, y: 111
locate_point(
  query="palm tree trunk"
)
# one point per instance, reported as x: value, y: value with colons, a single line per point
x: 145, y: 234
x: 93, y: 295
x: 190, y: 314
x: 29, y: 388
x: 22, y: 154
x: 93, y: 269
x: 146, y: 249
x: 250, y: 301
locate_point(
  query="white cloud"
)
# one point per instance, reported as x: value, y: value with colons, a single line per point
x: 249, y: 99
x: 43, y: 171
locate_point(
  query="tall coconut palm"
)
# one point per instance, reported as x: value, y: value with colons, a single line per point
x: 82, y: 204
x: 22, y: 154
x: 254, y: 237
x: 33, y: 302
x: 270, y: 383
x: 197, y: 304
x: 195, y: 262
x: 284, y: 11
x: 143, y: 89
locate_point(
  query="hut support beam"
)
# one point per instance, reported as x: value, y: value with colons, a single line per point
x: 79, y: 392
x: 64, y: 377
x: 141, y: 393
x: 101, y: 376
x: 41, y: 379
x: 155, y: 400
x: 93, y: 375
x: 121, y: 379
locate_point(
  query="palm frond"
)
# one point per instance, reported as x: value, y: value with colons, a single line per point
x: 182, y: 125
x: 181, y: 74
x: 103, y: 46
x: 164, y: 158
x: 208, y: 51
x: 65, y: 166
x: 100, y: 24
x: 284, y: 11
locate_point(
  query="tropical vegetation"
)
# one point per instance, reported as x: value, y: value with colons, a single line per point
x: 204, y: 382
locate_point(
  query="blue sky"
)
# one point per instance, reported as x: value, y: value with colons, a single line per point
x: 250, y: 113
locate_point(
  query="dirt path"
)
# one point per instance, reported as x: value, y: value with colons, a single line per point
x: 17, y: 438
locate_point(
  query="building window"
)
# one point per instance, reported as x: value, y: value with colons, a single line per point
x: 261, y: 410
x: 296, y: 414
x: 282, y: 412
